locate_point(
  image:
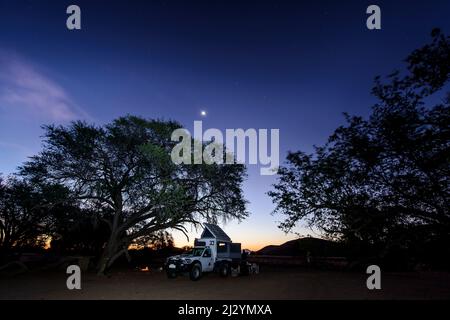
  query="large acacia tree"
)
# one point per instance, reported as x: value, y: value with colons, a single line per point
x: 124, y: 172
x: 385, y: 178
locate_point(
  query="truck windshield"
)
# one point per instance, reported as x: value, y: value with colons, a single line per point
x: 197, y: 252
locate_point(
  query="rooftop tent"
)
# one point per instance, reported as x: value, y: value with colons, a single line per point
x: 214, y: 231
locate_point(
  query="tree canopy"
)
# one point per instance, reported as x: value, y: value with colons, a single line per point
x: 382, y: 178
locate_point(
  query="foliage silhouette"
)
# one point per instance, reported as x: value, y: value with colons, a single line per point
x: 381, y: 181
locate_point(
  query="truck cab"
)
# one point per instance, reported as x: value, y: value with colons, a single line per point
x: 205, y: 256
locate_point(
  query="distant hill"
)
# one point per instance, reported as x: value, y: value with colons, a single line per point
x: 300, y: 247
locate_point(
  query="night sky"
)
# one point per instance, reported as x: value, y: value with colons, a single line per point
x: 291, y: 65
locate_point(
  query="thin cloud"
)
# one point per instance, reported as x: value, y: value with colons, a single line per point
x: 23, y: 86
x: 17, y: 147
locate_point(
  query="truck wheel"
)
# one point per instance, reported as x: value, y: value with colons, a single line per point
x: 196, y: 272
x: 171, y: 274
x: 224, y: 270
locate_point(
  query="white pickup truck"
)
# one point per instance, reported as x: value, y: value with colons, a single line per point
x: 213, y: 252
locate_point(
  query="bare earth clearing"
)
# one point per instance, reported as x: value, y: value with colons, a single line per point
x: 270, y: 284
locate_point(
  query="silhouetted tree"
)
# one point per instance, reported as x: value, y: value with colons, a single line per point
x: 26, y: 212
x: 383, y: 179
x: 123, y: 170
x: 158, y: 241
x: 77, y: 230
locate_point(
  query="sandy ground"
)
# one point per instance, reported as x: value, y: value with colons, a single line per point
x: 270, y: 284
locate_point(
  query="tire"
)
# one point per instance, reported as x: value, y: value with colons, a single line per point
x: 196, y: 272
x: 171, y: 274
x: 224, y: 270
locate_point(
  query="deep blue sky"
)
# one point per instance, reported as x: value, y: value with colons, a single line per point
x: 292, y: 65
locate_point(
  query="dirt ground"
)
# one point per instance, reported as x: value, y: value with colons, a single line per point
x: 269, y: 284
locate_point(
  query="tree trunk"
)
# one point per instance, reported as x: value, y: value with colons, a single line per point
x: 113, y: 250
x: 109, y: 251
x: 101, y: 265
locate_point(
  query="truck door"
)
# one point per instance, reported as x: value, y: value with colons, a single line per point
x: 207, y: 261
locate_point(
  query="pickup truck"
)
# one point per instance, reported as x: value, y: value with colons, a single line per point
x: 213, y: 252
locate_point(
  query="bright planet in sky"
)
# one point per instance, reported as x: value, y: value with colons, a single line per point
x: 203, y: 113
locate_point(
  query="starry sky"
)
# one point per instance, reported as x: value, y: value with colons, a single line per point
x: 290, y: 65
